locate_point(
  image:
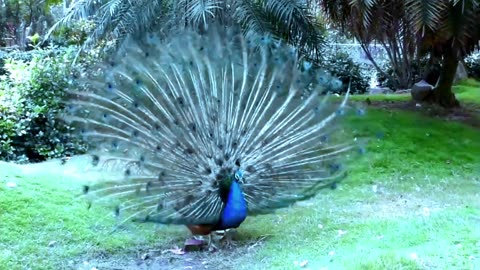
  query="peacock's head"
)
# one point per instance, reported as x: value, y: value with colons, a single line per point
x: 226, y: 179
x: 238, y: 176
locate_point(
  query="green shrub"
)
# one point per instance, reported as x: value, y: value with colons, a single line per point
x: 417, y: 68
x: 342, y: 66
x: 75, y: 33
x: 472, y: 63
x: 30, y: 100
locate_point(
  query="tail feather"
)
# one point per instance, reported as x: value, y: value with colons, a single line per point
x: 176, y: 115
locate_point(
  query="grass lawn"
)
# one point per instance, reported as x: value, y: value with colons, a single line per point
x: 468, y: 91
x: 412, y: 202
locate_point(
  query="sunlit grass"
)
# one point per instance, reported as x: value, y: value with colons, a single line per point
x: 468, y: 91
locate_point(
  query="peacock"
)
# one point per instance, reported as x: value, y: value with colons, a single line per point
x: 203, y: 129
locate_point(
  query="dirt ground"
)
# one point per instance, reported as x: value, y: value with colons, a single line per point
x: 174, y: 258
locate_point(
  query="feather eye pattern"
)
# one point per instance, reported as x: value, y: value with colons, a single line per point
x: 183, y: 117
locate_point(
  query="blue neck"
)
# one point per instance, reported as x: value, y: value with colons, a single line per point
x: 235, y: 210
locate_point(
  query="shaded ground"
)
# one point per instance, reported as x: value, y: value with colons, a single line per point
x: 168, y: 259
x: 468, y: 113
x: 466, y: 91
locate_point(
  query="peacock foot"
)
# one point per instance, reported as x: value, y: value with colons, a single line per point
x: 214, y: 241
x: 228, y: 238
x: 201, y: 242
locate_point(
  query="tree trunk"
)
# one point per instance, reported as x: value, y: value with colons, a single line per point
x: 442, y: 93
x: 432, y: 73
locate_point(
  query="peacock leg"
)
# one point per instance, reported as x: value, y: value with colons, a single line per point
x: 221, y: 238
x: 210, y: 244
x: 228, y: 238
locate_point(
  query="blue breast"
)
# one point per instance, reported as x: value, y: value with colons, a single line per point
x: 235, y: 210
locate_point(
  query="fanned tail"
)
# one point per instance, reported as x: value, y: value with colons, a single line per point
x: 177, y: 116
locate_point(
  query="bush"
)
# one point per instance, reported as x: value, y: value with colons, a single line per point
x: 418, y: 69
x: 30, y: 100
x: 472, y: 63
x: 342, y: 66
x: 74, y: 34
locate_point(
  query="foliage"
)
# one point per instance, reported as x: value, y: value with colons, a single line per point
x: 417, y: 69
x: 445, y: 29
x: 393, y: 33
x: 76, y: 33
x: 341, y: 65
x: 339, y: 61
x: 291, y: 21
x: 30, y: 99
x: 472, y: 63
x: 452, y: 22
x: 20, y: 19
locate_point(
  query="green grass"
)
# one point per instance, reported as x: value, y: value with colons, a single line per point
x: 424, y: 213
x: 44, y: 207
x: 382, y: 97
x: 418, y: 163
x: 468, y: 91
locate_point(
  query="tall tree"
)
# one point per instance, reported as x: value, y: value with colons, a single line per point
x: 16, y: 16
x: 444, y: 29
x: 290, y: 20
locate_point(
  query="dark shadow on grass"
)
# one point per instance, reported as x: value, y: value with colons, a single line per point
x: 467, y: 113
x: 170, y: 256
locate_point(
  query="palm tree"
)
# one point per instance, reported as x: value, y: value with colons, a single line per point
x: 290, y: 20
x: 443, y: 29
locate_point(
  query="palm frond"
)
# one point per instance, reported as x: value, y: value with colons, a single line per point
x: 250, y: 15
x: 425, y: 13
x: 81, y: 9
x: 117, y: 18
x: 365, y: 10
x: 200, y: 11
x: 293, y: 21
